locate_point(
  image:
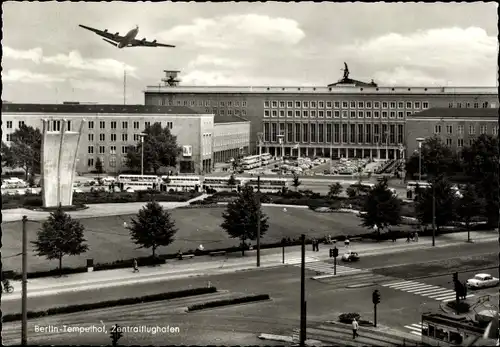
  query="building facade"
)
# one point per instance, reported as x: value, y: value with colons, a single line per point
x: 346, y: 119
x: 110, y: 129
x: 455, y: 127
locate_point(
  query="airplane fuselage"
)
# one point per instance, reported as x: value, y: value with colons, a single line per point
x: 128, y: 38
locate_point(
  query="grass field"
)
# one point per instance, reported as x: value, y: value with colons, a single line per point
x: 108, y: 240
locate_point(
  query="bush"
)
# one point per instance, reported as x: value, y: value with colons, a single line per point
x: 112, y: 303
x: 351, y: 192
x: 227, y: 302
x: 462, y: 307
x: 348, y: 317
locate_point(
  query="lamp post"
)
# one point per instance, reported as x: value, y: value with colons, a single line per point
x: 420, y: 140
x: 142, y: 135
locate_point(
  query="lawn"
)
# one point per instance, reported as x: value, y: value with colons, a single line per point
x: 108, y: 240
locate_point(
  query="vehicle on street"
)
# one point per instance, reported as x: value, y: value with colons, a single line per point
x: 482, y: 281
x: 129, y: 190
x: 350, y: 256
x: 77, y: 190
x: 20, y: 192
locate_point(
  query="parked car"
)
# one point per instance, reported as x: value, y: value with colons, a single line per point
x: 482, y: 281
x: 76, y: 190
x: 130, y: 190
x: 350, y: 256
x: 20, y: 192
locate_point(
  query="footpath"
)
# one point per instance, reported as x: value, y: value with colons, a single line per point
x: 230, y: 263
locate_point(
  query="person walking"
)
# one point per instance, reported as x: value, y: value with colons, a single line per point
x: 136, y: 268
x: 346, y: 243
x: 416, y: 236
x: 355, y: 327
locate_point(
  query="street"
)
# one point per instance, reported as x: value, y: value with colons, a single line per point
x: 326, y: 299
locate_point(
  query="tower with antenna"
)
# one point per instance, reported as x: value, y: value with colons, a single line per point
x: 171, y: 78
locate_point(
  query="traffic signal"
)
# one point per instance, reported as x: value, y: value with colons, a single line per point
x: 334, y: 252
x: 116, y: 334
x: 376, y: 297
x: 455, y: 277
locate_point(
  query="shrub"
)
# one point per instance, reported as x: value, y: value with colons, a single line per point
x: 462, y: 306
x: 112, y: 303
x: 227, y: 302
x: 351, y: 192
x: 348, y: 317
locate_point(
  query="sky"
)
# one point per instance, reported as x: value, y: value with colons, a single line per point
x: 47, y: 58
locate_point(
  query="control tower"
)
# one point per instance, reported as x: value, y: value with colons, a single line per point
x: 171, y: 78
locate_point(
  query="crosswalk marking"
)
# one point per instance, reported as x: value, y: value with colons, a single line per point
x: 427, y: 290
x: 321, y: 267
x: 415, y: 328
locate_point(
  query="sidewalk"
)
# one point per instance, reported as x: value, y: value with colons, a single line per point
x: 93, y: 210
x: 206, y: 265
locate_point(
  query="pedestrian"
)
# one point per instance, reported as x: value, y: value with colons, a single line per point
x: 317, y: 245
x: 136, y: 268
x: 393, y: 236
x: 416, y: 236
x: 408, y: 237
x: 346, y: 242
x: 355, y: 327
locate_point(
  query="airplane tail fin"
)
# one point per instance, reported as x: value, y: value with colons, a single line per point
x: 110, y: 42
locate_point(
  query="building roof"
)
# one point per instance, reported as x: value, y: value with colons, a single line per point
x: 229, y: 119
x: 354, y: 83
x: 437, y: 113
x: 95, y: 108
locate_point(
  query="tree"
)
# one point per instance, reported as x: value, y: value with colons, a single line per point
x: 480, y: 162
x: 335, y: 190
x: 241, y: 217
x: 153, y: 227
x: 296, y: 181
x: 381, y: 208
x: 445, y: 200
x: 231, y: 182
x: 26, y: 149
x: 437, y: 158
x: 160, y: 149
x: 60, y: 235
x: 7, y: 156
x: 98, y: 166
x: 468, y: 207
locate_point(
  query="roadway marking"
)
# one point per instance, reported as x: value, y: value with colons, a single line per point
x: 415, y: 329
x: 427, y: 290
x: 322, y: 267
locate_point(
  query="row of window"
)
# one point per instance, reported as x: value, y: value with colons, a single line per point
x: 206, y: 103
x: 334, y: 114
x: 229, y: 112
x: 9, y: 124
x: 346, y: 104
x: 485, y: 104
x: 483, y: 129
x: 102, y: 149
x: 124, y: 125
x: 113, y: 137
x: 336, y: 133
x: 112, y: 161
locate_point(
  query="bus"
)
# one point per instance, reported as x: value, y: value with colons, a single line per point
x: 138, y: 178
x: 266, y: 158
x: 138, y: 185
x: 269, y: 185
x: 412, y: 186
x: 251, y: 162
x: 221, y: 184
x: 180, y: 183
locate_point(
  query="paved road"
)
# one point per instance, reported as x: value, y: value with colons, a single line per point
x: 235, y: 325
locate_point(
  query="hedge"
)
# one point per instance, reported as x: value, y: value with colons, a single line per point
x: 348, y: 317
x: 111, y: 303
x: 31, y: 200
x: 227, y: 302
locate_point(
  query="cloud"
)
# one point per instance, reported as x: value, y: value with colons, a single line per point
x: 34, y: 54
x: 26, y: 76
x: 73, y: 61
x: 205, y: 60
x: 400, y: 76
x: 428, y: 55
x: 232, y: 31
x: 94, y: 85
x: 220, y: 78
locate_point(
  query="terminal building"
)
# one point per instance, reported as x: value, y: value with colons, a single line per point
x: 349, y: 118
x: 109, y: 129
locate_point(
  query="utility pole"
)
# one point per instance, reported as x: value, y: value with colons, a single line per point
x: 24, y: 302
x: 303, y: 293
x: 258, y: 221
x: 433, y: 213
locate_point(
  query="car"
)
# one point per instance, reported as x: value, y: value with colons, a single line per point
x: 20, y: 192
x: 350, y: 256
x: 76, y: 190
x: 482, y: 281
x: 129, y: 190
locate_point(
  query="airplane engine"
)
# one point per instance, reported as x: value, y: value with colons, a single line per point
x: 154, y: 41
x: 105, y: 30
x: 117, y: 33
x: 143, y: 40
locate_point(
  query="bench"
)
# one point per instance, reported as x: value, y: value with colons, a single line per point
x: 213, y: 254
x: 185, y: 256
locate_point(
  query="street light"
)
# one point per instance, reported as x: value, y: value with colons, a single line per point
x: 142, y: 135
x: 420, y: 140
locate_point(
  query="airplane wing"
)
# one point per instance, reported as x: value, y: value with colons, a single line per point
x: 113, y: 37
x: 145, y: 43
